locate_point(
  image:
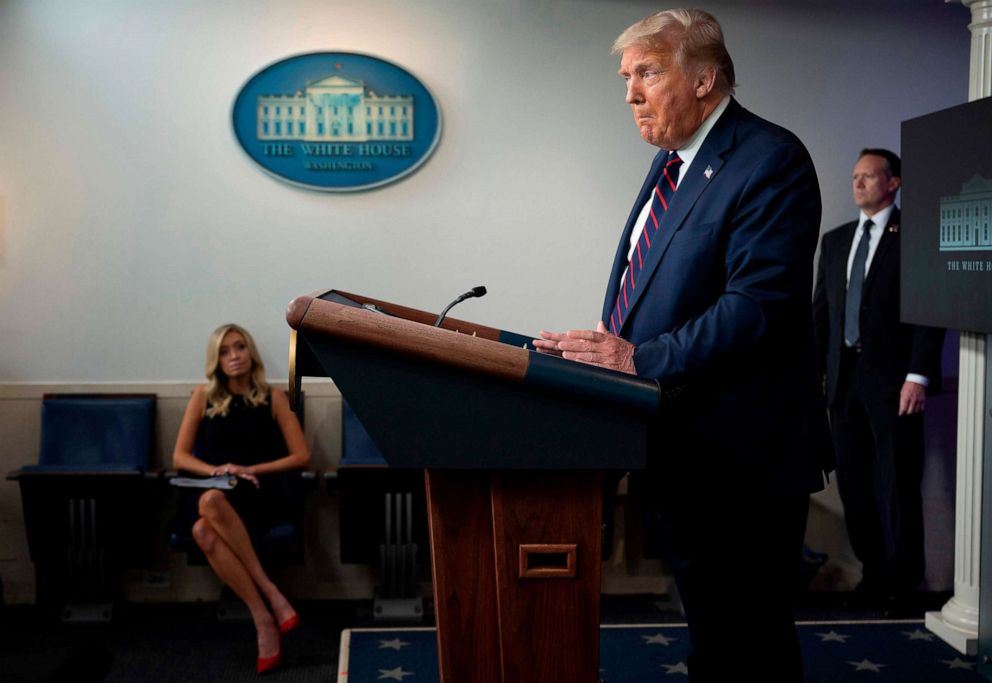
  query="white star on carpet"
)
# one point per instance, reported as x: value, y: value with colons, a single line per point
x: 679, y: 668
x: 867, y: 665
x: 833, y: 636
x: 918, y: 635
x: 658, y: 639
x: 958, y: 663
x: 396, y: 674
x: 394, y: 644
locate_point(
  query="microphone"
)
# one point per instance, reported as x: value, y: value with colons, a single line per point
x: 475, y: 291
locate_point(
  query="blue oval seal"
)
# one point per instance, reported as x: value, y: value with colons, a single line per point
x: 336, y: 121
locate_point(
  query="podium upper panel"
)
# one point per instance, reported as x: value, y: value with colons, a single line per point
x: 395, y: 329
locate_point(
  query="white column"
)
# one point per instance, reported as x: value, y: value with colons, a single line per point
x: 980, y: 80
x: 957, y: 621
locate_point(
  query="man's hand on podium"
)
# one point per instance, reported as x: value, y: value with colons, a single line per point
x: 595, y: 347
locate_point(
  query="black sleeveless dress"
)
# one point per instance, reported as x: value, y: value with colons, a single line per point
x: 247, y: 435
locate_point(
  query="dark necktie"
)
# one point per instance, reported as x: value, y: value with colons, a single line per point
x: 660, y: 199
x: 852, y: 305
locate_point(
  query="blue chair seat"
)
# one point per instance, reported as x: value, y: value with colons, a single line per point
x: 357, y: 447
x: 96, y: 468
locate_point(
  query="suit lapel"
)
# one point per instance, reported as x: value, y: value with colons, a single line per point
x: 837, y: 265
x: 703, y: 171
x: 889, y: 238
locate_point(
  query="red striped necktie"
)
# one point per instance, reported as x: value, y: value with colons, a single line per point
x: 660, y: 198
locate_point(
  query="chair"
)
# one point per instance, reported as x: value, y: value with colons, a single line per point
x: 383, y: 519
x: 86, y: 503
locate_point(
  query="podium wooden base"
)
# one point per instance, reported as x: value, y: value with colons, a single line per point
x: 516, y: 562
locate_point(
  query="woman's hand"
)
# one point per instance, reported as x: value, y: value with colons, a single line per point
x: 238, y: 471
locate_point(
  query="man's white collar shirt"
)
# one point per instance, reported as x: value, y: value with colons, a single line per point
x: 879, y: 220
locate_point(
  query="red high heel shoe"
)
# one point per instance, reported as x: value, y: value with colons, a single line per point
x: 269, y: 663
x: 288, y: 625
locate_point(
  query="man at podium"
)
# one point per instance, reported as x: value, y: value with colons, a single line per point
x: 710, y: 295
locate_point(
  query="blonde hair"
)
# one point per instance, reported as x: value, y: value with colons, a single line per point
x: 217, y: 393
x: 694, y: 38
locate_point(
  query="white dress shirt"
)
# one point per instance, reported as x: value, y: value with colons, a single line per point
x: 686, y: 154
x: 879, y: 220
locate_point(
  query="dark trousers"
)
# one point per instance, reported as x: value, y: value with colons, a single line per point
x: 879, y: 471
x: 735, y: 553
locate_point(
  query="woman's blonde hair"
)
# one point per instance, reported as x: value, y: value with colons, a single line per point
x: 217, y: 393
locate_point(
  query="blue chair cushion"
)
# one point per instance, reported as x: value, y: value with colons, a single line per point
x: 357, y: 446
x: 282, y: 533
x: 90, y: 433
x: 101, y: 468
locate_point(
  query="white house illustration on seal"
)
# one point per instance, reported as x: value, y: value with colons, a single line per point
x: 335, y: 109
x: 964, y: 218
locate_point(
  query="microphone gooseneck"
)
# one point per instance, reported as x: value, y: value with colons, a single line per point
x: 474, y: 292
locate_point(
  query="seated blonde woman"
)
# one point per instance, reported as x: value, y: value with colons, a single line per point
x: 236, y: 424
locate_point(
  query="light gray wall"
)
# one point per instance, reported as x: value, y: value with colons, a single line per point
x: 131, y: 223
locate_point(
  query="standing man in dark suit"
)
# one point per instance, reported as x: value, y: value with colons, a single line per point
x: 878, y: 371
x: 710, y: 295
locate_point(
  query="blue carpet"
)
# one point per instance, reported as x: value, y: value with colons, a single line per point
x: 833, y: 652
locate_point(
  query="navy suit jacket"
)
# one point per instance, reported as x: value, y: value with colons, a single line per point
x: 891, y: 348
x: 722, y: 312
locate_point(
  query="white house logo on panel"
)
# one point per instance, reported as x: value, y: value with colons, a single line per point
x: 965, y: 221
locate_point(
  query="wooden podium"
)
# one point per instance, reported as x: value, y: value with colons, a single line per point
x: 513, y: 443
